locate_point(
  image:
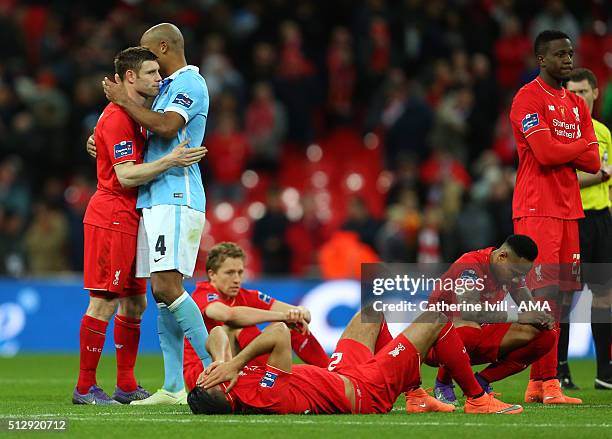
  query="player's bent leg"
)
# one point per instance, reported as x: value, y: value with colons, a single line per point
x: 520, y: 346
x: 127, y: 339
x: 364, y: 327
x: 92, y: 335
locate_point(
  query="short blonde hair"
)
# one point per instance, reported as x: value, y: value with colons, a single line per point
x: 220, y: 252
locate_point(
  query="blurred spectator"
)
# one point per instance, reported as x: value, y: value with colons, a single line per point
x: 341, y: 257
x: 296, y: 84
x: 342, y: 76
x: 266, y: 127
x: 556, y: 16
x: 45, y: 240
x: 305, y: 236
x: 270, y: 236
x: 360, y: 221
x: 404, y: 117
x: 220, y: 75
x: 12, y: 257
x: 451, y: 127
x: 229, y: 154
x: 486, y: 107
x: 511, y: 52
x: 14, y: 192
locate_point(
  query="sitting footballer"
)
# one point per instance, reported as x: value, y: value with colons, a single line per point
x: 506, y: 336
x: 223, y: 301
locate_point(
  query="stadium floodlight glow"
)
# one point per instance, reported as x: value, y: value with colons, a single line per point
x: 224, y: 212
x: 314, y: 153
x: 370, y: 141
x: 319, y: 179
x: 249, y: 179
x: 354, y: 182
x: 291, y: 197
x: 256, y: 210
x: 240, y: 225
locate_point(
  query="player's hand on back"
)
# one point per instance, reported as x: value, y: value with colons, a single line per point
x: 90, y: 146
x: 219, y: 372
x: 183, y: 156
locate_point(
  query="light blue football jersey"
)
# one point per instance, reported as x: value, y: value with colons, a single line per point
x: 185, y: 93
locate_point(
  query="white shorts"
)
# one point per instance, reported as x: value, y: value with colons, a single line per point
x: 168, y: 239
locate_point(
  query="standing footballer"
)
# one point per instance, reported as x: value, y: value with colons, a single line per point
x: 172, y: 204
x: 111, y: 226
x: 554, y: 136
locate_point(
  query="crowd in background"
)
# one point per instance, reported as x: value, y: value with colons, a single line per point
x: 338, y: 132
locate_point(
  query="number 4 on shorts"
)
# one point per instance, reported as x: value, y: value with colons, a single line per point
x: 160, y: 245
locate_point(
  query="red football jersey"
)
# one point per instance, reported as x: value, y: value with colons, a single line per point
x: 307, y: 389
x: 543, y: 190
x: 205, y: 294
x: 474, y: 266
x: 118, y: 140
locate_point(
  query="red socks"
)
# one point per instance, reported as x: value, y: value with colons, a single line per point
x: 308, y: 348
x: 546, y: 366
x: 519, y: 359
x: 92, y: 335
x: 127, y: 337
x: 470, y: 337
x: 448, y: 350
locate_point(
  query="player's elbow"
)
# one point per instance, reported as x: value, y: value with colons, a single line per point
x: 167, y: 130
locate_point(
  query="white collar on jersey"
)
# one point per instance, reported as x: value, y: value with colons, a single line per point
x: 181, y: 70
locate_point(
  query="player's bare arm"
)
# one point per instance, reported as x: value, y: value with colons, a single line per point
x: 274, y: 340
x: 241, y: 316
x: 166, y: 125
x: 131, y: 175
x: 587, y: 180
x: 470, y: 310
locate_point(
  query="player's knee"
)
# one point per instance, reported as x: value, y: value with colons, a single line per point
x: 102, y: 307
x: 432, y: 317
x: 134, y: 306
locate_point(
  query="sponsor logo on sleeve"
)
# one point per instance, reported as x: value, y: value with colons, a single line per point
x: 529, y: 121
x: 212, y: 296
x: 268, y: 380
x: 123, y: 149
x: 264, y: 297
x: 183, y: 99
x: 469, y: 274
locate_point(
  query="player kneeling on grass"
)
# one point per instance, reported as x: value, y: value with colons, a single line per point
x: 509, y: 339
x: 111, y: 226
x: 356, y: 381
x: 223, y: 300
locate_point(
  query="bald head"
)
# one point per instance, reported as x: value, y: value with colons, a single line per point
x: 164, y: 34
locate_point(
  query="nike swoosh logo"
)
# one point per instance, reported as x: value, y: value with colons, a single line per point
x: 550, y: 397
x: 157, y: 260
x: 422, y: 405
x: 509, y: 409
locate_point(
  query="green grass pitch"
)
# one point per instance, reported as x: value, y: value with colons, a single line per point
x: 40, y: 387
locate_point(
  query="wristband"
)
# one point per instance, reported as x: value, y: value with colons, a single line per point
x: 512, y: 315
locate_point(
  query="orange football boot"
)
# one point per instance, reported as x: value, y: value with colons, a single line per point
x: 487, y: 403
x: 552, y: 394
x: 533, y: 393
x: 419, y: 401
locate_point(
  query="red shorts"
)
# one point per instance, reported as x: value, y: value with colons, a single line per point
x: 378, y: 379
x: 110, y: 261
x: 487, y: 348
x: 558, y: 261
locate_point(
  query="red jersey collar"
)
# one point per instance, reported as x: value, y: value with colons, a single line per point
x: 550, y: 90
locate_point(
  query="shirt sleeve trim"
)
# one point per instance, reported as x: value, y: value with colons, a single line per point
x: 179, y: 111
x: 593, y: 143
x: 541, y: 129
x: 123, y: 161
